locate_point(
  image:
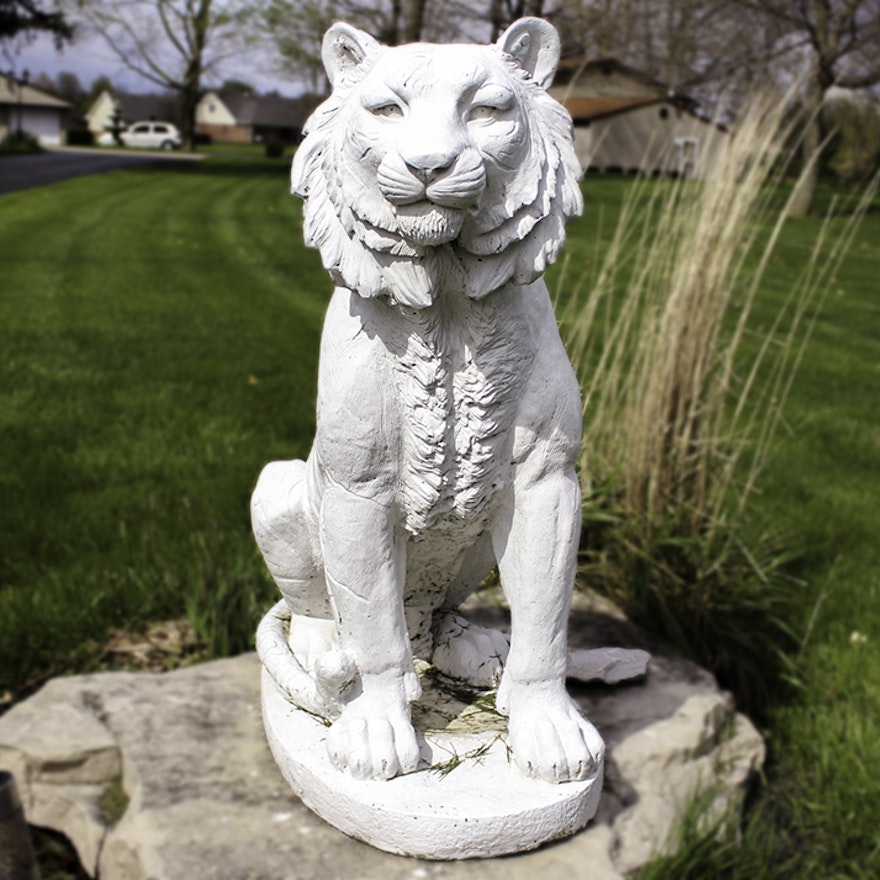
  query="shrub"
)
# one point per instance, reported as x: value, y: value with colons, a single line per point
x: 683, y: 402
x: 854, y: 152
x: 80, y: 136
x: 274, y: 149
x: 15, y: 142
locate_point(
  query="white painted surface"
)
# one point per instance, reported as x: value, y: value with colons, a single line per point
x: 437, y: 181
x: 100, y: 115
x: 212, y: 111
x: 483, y: 807
x: 42, y: 122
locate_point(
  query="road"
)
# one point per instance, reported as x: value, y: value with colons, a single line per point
x: 25, y: 172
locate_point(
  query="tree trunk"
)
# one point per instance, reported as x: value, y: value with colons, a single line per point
x: 496, y: 19
x: 392, y: 38
x: 191, y: 92
x: 189, y: 100
x: 415, y: 19
x: 804, y: 194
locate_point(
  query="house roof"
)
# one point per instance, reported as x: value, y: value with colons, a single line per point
x: 271, y: 110
x: 571, y: 68
x: 135, y: 107
x: 585, y: 109
x: 28, y: 96
x: 586, y: 98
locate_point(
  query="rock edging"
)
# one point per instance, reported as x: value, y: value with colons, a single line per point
x: 206, y: 800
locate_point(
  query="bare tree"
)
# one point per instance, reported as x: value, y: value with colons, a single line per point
x: 171, y: 43
x: 717, y: 51
x: 68, y: 86
x: 841, y: 39
x: 297, y: 27
x: 22, y: 19
x: 502, y: 13
x: 708, y: 49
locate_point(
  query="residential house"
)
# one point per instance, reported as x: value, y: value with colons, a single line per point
x: 131, y: 108
x: 26, y: 108
x: 252, y: 119
x: 626, y: 121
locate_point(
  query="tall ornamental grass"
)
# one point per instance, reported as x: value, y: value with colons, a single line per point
x: 684, y: 400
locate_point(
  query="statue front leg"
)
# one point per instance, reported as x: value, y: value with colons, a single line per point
x: 536, y: 544
x: 364, y: 565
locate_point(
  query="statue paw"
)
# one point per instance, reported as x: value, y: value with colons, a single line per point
x: 549, y: 737
x: 374, y: 737
x: 469, y: 652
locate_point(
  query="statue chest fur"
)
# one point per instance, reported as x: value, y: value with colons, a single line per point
x: 456, y: 369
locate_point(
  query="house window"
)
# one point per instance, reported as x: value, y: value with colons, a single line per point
x: 211, y: 108
x: 664, y: 113
x: 688, y: 155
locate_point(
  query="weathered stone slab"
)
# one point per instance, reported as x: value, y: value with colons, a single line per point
x: 90, y: 753
x: 609, y: 665
x: 207, y: 801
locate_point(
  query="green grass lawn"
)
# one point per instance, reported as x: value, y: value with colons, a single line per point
x: 819, y: 813
x: 160, y: 332
x: 822, y: 489
x: 159, y: 344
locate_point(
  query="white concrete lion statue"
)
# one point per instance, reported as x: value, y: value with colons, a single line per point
x: 437, y: 180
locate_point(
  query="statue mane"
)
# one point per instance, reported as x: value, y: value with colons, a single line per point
x: 515, y: 233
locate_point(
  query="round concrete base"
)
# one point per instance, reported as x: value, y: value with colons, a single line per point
x: 467, y: 800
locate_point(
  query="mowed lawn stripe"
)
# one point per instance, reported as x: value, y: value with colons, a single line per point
x: 160, y: 341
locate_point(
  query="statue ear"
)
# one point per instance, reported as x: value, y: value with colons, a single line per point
x: 534, y: 44
x: 344, y: 50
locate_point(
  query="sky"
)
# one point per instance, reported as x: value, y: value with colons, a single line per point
x: 88, y: 58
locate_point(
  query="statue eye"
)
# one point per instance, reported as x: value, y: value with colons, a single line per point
x: 387, y: 111
x: 483, y: 111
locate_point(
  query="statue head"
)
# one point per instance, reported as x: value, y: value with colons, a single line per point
x: 438, y: 166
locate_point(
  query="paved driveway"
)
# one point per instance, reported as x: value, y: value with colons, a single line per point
x: 25, y: 172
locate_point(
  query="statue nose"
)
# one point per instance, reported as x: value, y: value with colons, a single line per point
x: 429, y: 166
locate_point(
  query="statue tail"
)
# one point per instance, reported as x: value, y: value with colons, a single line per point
x: 319, y: 694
